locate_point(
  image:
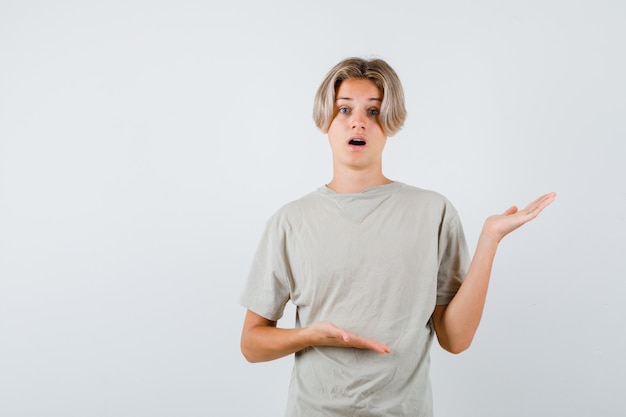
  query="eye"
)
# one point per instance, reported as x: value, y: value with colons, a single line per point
x: 343, y: 110
x: 373, y: 112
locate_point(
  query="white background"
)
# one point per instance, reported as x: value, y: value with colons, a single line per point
x: 143, y: 144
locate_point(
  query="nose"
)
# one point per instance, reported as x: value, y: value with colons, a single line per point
x: 358, y: 120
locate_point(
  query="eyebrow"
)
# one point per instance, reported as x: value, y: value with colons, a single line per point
x: 349, y: 98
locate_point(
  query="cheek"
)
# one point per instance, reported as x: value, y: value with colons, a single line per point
x: 335, y: 126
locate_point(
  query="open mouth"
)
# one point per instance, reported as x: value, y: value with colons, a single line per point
x: 357, y: 142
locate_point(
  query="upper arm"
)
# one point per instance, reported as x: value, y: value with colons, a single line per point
x: 252, y: 320
x: 254, y: 337
x: 438, y: 324
x: 438, y: 316
x: 448, y: 340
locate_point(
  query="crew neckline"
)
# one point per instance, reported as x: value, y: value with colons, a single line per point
x: 371, y: 191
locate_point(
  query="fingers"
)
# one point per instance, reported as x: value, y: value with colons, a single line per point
x: 544, y: 200
x: 534, y: 207
x: 365, y: 343
x: 539, y: 204
x: 339, y: 338
x: 498, y: 226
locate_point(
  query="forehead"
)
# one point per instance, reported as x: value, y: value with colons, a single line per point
x: 358, y: 89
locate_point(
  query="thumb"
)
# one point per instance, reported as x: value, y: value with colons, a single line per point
x: 510, y: 210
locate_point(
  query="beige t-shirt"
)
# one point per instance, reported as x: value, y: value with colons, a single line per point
x: 374, y: 263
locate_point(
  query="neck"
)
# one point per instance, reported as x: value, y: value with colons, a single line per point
x: 349, y: 181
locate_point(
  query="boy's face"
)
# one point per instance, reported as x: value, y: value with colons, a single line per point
x: 356, y: 138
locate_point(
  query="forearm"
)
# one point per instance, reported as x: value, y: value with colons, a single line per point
x: 262, y: 341
x: 460, y: 319
x: 266, y: 343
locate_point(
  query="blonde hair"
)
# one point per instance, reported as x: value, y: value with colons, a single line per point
x: 392, y: 109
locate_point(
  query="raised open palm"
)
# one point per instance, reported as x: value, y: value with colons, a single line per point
x: 500, y: 225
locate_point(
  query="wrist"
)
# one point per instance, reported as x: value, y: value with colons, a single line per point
x: 304, y: 337
x: 489, y: 237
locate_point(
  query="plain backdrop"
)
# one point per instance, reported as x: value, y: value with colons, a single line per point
x: 143, y: 145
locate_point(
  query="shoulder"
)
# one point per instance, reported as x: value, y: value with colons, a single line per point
x: 428, y: 202
x: 423, y: 195
x: 295, y: 210
x: 306, y: 202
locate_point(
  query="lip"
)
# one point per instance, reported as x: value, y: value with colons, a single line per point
x: 357, y: 147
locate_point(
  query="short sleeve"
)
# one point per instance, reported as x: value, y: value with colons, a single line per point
x: 453, y: 257
x: 267, y: 289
